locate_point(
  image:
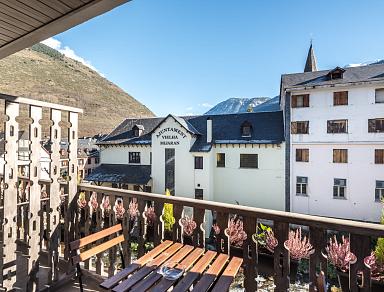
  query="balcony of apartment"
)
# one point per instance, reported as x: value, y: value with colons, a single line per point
x: 40, y: 217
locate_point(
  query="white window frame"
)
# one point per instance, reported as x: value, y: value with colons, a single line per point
x: 379, y: 98
x: 301, y: 181
x: 380, y: 190
x: 339, y: 186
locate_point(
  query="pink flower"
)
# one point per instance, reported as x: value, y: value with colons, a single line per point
x: 133, y: 209
x: 119, y: 209
x: 93, y: 204
x: 105, y: 206
x: 150, y: 215
x: 236, y: 232
x: 299, y: 248
x: 188, y: 225
x: 339, y: 254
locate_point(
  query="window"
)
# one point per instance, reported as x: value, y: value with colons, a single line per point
x: 97, y: 160
x: 340, y: 98
x: 89, y: 160
x: 220, y: 159
x: 301, y: 100
x: 199, y: 194
x: 249, y: 161
x: 136, y: 188
x: 340, y: 155
x: 300, y: 127
x: 379, y: 95
x: 379, y: 191
x: 134, y: 157
x: 339, y: 188
x: 301, y: 185
x: 148, y: 189
x: 302, y: 155
x: 246, y: 129
x: 336, y: 73
x: 198, y: 162
x: 376, y: 125
x: 379, y: 156
x: 150, y: 157
x: 337, y: 126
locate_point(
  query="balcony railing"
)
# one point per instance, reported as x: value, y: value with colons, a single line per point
x: 318, y: 229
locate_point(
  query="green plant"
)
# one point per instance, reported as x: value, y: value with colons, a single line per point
x: 168, y: 218
x: 261, y: 234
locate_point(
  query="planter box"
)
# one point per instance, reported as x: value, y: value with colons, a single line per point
x: 376, y: 286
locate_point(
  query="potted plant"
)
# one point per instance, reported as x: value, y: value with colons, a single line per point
x: 235, y: 233
x: 105, y: 210
x: 168, y: 218
x: 189, y: 225
x: 339, y: 255
x: 298, y: 246
x: 151, y: 217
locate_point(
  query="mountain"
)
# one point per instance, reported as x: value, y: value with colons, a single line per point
x: 241, y: 105
x: 45, y: 74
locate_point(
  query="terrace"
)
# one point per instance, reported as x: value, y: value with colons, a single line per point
x: 37, y: 228
x: 40, y: 217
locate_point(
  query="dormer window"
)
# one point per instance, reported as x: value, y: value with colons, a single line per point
x: 246, y: 129
x: 138, y: 130
x: 336, y: 73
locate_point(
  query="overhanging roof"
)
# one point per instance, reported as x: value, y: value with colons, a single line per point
x: 26, y: 22
x: 121, y: 173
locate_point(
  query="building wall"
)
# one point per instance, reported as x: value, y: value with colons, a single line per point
x: 360, y: 171
x: 120, y: 154
x: 262, y: 187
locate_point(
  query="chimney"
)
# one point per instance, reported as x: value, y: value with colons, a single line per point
x: 209, y: 130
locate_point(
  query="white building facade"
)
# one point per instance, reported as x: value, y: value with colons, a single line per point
x: 225, y: 158
x: 334, y: 122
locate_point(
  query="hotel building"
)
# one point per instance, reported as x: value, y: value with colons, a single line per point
x: 334, y: 125
x: 232, y: 158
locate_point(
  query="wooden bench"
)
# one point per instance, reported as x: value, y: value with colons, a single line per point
x: 80, y: 254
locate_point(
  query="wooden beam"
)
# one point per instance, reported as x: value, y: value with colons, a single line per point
x: 63, y: 23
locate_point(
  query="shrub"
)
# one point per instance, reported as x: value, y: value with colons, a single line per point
x: 119, y: 209
x: 133, y: 209
x: 271, y: 241
x: 261, y: 236
x: 236, y: 232
x: 339, y: 254
x: 188, y: 225
x: 81, y: 201
x: 105, y: 206
x: 168, y: 218
x: 150, y: 215
x: 298, y: 246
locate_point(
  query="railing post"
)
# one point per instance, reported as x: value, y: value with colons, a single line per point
x: 198, y: 233
x: 10, y: 196
x: 250, y: 254
x: 360, y: 247
x: 318, y: 239
x: 281, y: 257
x: 176, y: 228
x: 222, y: 241
x: 141, y: 227
x: 158, y: 224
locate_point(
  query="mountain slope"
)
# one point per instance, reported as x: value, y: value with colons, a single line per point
x: 241, y: 105
x: 45, y: 74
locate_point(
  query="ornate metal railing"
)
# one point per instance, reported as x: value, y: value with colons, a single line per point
x: 102, y: 206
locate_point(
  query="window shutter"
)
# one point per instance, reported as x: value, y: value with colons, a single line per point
x: 306, y: 125
x: 293, y: 127
x: 306, y: 100
x: 294, y: 101
x: 306, y: 155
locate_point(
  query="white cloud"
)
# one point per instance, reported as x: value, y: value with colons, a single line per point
x: 68, y: 52
x: 189, y: 108
x: 206, y: 105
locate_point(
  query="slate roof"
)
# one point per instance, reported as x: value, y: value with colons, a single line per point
x: 369, y: 73
x: 121, y: 173
x: 268, y: 128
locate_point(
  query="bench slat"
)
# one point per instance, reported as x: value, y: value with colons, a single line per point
x: 228, y: 275
x: 195, y: 272
x: 209, y: 277
x: 97, y: 249
x: 149, y: 281
x: 144, y: 271
x: 114, y: 280
x: 165, y: 284
x: 94, y: 237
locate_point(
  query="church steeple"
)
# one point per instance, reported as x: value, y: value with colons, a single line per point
x: 311, y: 64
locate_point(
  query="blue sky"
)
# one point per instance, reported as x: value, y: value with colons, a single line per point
x: 181, y: 56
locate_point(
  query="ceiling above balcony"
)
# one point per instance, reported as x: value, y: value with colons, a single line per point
x: 26, y: 22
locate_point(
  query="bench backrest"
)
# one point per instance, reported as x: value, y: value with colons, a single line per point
x: 86, y: 254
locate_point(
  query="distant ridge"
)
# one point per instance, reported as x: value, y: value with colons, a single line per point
x: 242, y: 105
x: 45, y: 74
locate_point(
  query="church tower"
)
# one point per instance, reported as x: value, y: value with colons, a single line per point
x: 311, y: 64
